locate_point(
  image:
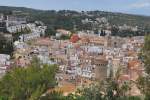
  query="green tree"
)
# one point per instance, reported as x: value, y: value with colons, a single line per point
x: 28, y: 83
x: 144, y: 81
x: 53, y: 96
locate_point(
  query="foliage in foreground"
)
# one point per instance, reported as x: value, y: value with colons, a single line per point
x: 144, y: 81
x: 108, y: 90
x: 27, y: 83
x: 32, y: 83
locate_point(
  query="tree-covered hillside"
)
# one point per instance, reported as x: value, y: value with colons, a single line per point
x: 67, y: 19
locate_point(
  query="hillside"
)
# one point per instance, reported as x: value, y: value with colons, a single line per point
x: 67, y: 19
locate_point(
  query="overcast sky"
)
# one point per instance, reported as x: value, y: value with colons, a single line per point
x: 141, y: 7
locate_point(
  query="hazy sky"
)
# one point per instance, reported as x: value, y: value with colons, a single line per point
x: 127, y: 6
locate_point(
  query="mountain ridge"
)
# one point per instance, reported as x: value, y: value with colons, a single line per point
x: 34, y: 9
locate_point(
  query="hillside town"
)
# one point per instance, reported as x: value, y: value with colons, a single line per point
x: 84, y: 58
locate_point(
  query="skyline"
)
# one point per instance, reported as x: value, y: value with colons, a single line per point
x: 140, y: 7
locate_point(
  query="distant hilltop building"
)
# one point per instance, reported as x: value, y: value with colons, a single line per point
x: 102, y: 20
x: 12, y: 23
x: 127, y: 27
x: 15, y: 20
x: 36, y: 32
x: 63, y: 32
x: 2, y: 23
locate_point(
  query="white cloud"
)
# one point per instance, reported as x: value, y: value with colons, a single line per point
x: 140, y: 5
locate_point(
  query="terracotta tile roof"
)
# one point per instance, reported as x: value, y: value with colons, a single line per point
x: 134, y: 64
x: 43, y: 41
x: 67, y: 88
x: 124, y: 78
x: 74, y: 38
x: 131, y: 53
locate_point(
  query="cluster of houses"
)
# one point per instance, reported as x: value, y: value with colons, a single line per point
x: 36, y: 32
x: 16, y: 23
x: 92, y: 57
x: 102, y: 24
x: 13, y: 24
x: 82, y: 59
x: 85, y: 58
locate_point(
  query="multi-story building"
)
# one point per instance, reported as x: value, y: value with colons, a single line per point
x: 15, y: 23
x: 2, y: 23
x: 17, y: 28
x: 15, y: 20
x: 101, y: 68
